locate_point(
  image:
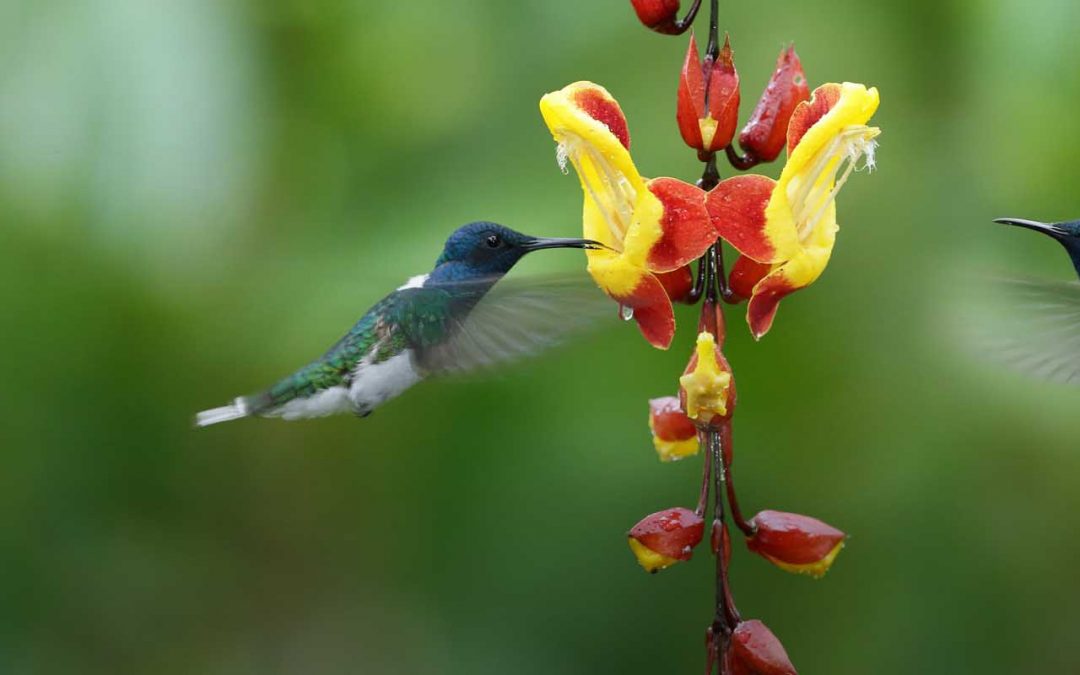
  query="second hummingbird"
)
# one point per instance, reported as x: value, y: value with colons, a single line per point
x: 442, y: 321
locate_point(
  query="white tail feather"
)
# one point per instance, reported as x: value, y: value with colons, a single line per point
x: 226, y: 413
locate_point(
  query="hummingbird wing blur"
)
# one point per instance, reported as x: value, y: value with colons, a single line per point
x: 514, y: 320
x: 1035, y: 328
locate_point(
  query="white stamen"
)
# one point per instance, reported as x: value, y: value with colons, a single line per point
x: 814, y: 195
x: 560, y: 157
x: 609, y: 189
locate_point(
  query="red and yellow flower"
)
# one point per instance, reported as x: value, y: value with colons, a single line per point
x: 652, y: 227
x: 786, y: 229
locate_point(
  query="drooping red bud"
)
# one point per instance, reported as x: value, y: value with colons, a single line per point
x: 766, y: 132
x: 658, y: 15
x: 708, y: 101
x: 756, y: 651
x: 666, y: 537
x: 794, y: 542
x: 678, y: 283
x: 674, y: 434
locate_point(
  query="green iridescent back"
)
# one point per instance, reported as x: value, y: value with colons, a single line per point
x: 413, y: 318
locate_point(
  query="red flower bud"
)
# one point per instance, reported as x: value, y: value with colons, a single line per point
x: 674, y: 434
x: 658, y: 15
x: 677, y: 283
x: 708, y: 107
x: 666, y: 537
x: 766, y: 132
x: 706, y: 388
x: 794, y: 542
x: 756, y: 651
x: 721, y: 540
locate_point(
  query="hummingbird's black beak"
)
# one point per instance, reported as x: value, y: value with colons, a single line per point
x: 557, y: 242
x: 1045, y: 228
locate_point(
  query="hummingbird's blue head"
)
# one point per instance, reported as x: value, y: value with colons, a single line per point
x: 484, y: 249
x: 1067, y: 234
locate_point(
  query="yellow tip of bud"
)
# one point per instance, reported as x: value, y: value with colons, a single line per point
x: 815, y: 569
x: 649, y: 559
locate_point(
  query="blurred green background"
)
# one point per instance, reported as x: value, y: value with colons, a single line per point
x: 197, y: 196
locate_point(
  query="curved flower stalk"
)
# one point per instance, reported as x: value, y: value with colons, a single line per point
x: 652, y: 227
x: 786, y: 229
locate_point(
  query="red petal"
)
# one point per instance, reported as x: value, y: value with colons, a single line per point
x: 723, y: 97
x: 737, y: 210
x: 764, y: 134
x: 604, y: 110
x: 652, y: 311
x: 762, y: 307
x: 808, y: 112
x: 687, y: 230
x: 745, y: 274
x: 669, y: 422
x: 678, y: 284
x: 691, y: 98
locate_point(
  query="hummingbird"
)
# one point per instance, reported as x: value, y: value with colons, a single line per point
x: 1067, y: 234
x: 447, y: 320
x: 1036, y: 325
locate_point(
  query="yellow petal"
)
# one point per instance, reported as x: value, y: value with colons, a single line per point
x: 672, y: 451
x: 648, y: 558
x: 801, y: 209
x: 815, y: 569
x: 576, y: 116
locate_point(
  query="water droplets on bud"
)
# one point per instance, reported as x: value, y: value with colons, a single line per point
x: 626, y: 312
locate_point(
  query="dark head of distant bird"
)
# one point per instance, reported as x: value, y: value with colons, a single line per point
x: 1067, y: 234
x: 484, y: 250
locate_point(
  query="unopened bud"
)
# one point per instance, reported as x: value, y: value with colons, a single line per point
x: 666, y: 537
x: 708, y: 102
x: 765, y: 134
x: 674, y: 434
x: 756, y: 651
x: 658, y: 15
x: 794, y: 542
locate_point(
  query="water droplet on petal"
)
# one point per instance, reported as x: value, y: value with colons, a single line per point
x: 626, y: 312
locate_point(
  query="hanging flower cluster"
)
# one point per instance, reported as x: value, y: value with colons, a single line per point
x: 783, y: 232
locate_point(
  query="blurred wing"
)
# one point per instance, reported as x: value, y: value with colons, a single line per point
x: 1035, y: 328
x: 516, y: 319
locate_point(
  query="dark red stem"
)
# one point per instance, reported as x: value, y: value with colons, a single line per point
x: 728, y: 455
x: 740, y: 162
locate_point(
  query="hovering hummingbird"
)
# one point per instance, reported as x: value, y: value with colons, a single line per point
x: 1036, y: 327
x: 439, y: 322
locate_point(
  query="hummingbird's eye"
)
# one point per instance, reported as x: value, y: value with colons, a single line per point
x: 494, y: 241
